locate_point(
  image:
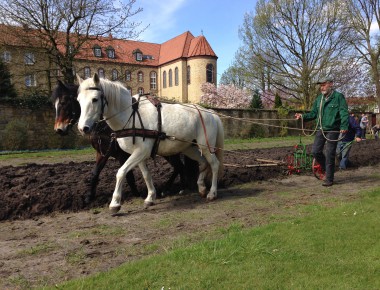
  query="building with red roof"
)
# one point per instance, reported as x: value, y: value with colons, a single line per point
x: 174, y: 70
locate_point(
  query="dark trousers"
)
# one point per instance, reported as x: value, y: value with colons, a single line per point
x: 327, y: 159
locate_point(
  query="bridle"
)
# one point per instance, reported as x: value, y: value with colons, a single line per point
x: 102, y: 99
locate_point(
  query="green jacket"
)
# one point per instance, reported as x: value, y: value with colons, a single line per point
x: 334, y: 112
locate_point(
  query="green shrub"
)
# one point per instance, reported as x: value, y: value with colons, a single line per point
x: 256, y: 131
x: 15, y: 136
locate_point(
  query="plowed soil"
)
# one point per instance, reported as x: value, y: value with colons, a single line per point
x: 49, y: 235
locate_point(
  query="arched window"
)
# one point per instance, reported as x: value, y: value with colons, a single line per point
x: 170, y: 78
x: 153, y: 80
x: 87, y: 72
x: 188, y: 75
x: 101, y: 73
x: 140, y: 77
x: 115, y: 74
x: 29, y: 58
x: 7, y: 57
x: 141, y: 90
x: 30, y: 80
x: 176, y: 77
x: 128, y: 76
x: 164, y: 79
x: 210, y: 73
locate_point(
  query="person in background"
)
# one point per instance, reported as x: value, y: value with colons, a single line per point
x: 344, y: 146
x: 331, y: 111
x: 363, y: 125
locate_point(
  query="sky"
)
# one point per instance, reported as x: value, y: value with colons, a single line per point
x: 217, y: 20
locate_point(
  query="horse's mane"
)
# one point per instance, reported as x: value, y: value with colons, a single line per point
x: 113, y: 90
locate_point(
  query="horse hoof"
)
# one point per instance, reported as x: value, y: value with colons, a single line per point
x: 181, y: 192
x: 148, y: 203
x: 211, y: 198
x: 115, y: 209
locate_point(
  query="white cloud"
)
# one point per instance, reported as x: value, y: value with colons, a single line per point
x: 374, y: 27
x: 162, y: 16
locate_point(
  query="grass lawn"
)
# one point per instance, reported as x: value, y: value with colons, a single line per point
x: 331, y: 248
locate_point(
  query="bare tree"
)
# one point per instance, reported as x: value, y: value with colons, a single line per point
x: 293, y: 42
x: 363, y: 14
x: 61, y: 28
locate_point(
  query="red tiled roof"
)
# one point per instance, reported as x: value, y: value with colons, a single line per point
x: 200, y: 46
x: 183, y: 45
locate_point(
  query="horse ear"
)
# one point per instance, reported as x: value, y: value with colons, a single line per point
x: 96, y: 79
x: 79, y: 79
x: 60, y: 83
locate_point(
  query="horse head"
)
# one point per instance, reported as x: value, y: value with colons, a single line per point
x: 92, y: 102
x: 66, y: 107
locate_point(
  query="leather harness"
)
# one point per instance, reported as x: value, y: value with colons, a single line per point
x: 158, y: 135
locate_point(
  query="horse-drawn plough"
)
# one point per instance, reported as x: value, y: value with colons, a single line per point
x: 294, y: 163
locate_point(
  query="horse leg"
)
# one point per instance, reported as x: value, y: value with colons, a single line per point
x: 136, y: 157
x: 150, y: 199
x: 178, y: 168
x: 130, y: 176
x: 193, y: 153
x: 214, y: 164
x: 100, y: 163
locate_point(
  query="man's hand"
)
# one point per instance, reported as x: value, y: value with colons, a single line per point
x: 358, y: 139
x: 298, y: 116
x: 343, y: 131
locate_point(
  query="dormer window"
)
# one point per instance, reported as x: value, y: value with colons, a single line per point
x: 138, y: 54
x: 97, y: 51
x: 110, y: 52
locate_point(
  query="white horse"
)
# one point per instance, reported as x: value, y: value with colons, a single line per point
x: 184, y: 125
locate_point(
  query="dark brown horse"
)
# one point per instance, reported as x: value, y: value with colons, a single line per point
x: 64, y: 98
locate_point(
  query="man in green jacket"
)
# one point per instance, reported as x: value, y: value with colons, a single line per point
x: 331, y: 112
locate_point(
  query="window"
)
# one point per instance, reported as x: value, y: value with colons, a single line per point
x: 188, y: 74
x: 139, y: 56
x: 29, y: 58
x: 130, y: 90
x: 176, y: 76
x: 153, y: 80
x: 210, y: 73
x: 30, y: 80
x: 87, y: 72
x: 7, y: 56
x: 141, y: 90
x: 140, y: 76
x: 101, y: 73
x: 97, y: 51
x: 128, y: 76
x: 164, y: 79
x: 110, y: 52
x: 170, y: 78
x: 115, y: 74
x: 71, y: 49
x: 55, y: 73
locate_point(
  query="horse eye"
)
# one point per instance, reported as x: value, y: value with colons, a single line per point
x: 94, y: 100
